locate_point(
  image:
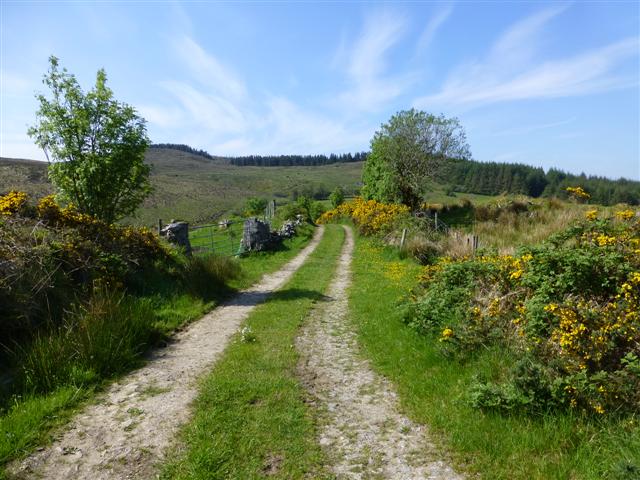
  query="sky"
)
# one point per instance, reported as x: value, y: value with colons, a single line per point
x: 548, y: 84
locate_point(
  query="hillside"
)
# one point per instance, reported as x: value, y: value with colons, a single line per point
x: 194, y: 188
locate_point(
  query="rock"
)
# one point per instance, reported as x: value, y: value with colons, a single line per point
x: 178, y: 234
x: 257, y: 236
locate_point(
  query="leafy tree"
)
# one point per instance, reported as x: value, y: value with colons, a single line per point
x: 95, y: 145
x: 256, y: 206
x: 408, y: 150
x: 337, y: 197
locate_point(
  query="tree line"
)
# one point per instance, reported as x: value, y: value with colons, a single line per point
x: 496, y: 178
x: 183, y: 148
x: 465, y: 176
x: 296, y: 160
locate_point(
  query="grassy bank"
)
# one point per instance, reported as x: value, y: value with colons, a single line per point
x: 63, y: 367
x: 250, y: 417
x: 435, y: 390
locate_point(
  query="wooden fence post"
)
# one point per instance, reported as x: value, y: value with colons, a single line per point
x: 404, y: 237
x: 159, y: 226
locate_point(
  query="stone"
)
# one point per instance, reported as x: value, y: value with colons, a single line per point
x: 178, y: 234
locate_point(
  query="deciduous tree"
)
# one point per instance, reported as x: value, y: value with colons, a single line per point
x: 95, y: 145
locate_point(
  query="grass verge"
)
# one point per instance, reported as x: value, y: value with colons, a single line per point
x: 250, y: 418
x: 434, y: 390
x: 64, y: 371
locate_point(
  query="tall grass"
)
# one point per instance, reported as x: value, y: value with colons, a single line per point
x: 98, y: 339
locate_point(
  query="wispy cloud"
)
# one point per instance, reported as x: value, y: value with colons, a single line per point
x: 226, y: 118
x: 509, y: 72
x: 533, y: 128
x: 208, y: 70
x: 367, y: 61
x: 429, y: 32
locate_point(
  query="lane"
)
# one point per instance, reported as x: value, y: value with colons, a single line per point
x: 361, y: 429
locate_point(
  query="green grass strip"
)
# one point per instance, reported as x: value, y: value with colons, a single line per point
x: 250, y: 419
x: 434, y: 391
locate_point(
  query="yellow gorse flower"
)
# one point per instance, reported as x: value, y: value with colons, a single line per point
x: 12, y: 202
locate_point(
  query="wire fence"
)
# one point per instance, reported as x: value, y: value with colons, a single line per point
x: 222, y: 238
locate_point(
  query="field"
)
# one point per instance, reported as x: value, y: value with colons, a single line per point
x: 197, y: 190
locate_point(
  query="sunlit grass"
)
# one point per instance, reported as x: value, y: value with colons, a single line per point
x: 251, y: 420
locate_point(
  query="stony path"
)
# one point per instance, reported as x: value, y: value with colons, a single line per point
x: 362, y: 430
x: 125, y: 434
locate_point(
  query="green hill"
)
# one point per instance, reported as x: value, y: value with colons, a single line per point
x: 195, y: 188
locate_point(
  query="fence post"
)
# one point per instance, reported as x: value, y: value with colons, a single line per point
x: 159, y: 226
x: 436, y: 220
x: 404, y: 237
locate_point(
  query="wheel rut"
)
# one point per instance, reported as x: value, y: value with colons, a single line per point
x: 125, y: 434
x: 361, y: 428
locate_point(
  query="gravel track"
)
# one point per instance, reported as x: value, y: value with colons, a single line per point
x: 361, y: 429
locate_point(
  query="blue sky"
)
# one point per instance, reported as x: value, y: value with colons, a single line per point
x: 546, y: 84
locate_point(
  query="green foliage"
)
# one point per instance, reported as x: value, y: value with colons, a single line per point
x: 97, y: 145
x: 305, y: 206
x: 408, y: 150
x: 337, y: 197
x: 255, y: 206
x: 566, y: 310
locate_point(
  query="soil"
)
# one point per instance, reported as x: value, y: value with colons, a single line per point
x: 361, y: 429
x: 128, y: 431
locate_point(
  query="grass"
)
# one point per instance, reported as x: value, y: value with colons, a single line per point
x: 251, y: 420
x: 434, y: 390
x: 198, y: 190
x: 64, y: 371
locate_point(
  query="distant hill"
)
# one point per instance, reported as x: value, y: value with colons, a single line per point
x: 196, y: 188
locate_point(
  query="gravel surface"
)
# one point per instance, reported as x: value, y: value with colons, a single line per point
x: 362, y: 431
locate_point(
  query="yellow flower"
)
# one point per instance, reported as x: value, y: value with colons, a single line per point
x: 12, y: 202
x: 627, y: 214
x: 447, y: 333
x: 591, y: 214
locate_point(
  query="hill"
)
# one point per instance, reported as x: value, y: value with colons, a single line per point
x: 196, y: 188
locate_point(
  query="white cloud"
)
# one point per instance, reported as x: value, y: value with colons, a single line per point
x: 533, y: 128
x: 367, y: 60
x: 429, y: 32
x: 207, y: 110
x: 224, y: 117
x: 162, y: 117
x: 508, y: 72
x: 208, y: 70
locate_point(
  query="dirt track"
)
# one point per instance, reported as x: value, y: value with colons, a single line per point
x: 362, y: 430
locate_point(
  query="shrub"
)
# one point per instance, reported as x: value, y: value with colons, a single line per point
x: 255, y: 206
x: 337, y: 197
x: 568, y: 310
x: 371, y: 217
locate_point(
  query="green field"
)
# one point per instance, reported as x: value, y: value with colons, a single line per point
x: 196, y: 189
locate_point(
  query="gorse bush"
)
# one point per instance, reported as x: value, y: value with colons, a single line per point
x: 567, y: 311
x: 78, y: 296
x: 371, y: 217
x: 50, y: 256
